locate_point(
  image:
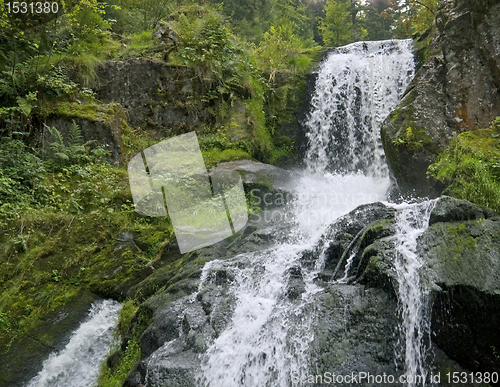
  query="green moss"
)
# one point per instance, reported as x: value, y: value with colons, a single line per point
x: 412, y: 139
x: 462, y: 242
x: 92, y: 111
x: 132, y: 323
x: 261, y: 138
x: 470, y: 168
x: 214, y: 156
x: 53, y: 253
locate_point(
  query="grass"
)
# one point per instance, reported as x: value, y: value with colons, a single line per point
x: 72, y: 242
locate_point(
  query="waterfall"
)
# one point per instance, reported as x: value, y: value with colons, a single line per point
x: 270, y: 332
x: 411, y: 222
x: 78, y: 364
x: 356, y: 88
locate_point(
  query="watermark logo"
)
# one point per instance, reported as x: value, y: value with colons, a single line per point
x: 171, y: 177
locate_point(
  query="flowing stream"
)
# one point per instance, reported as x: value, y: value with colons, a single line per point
x: 412, y: 221
x: 269, y: 335
x: 78, y: 364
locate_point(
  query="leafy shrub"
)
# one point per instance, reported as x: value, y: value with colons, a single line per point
x: 20, y: 171
x: 282, y: 49
x: 207, y: 44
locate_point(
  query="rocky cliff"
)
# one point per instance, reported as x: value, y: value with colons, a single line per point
x: 457, y: 89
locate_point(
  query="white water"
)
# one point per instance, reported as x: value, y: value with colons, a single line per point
x: 411, y: 222
x: 357, y: 87
x: 269, y: 335
x: 78, y: 364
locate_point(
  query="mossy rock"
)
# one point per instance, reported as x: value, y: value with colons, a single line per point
x: 444, y: 99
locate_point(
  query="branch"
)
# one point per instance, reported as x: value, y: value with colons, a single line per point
x: 425, y: 6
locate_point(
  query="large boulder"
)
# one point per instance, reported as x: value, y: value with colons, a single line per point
x: 461, y: 271
x: 457, y: 89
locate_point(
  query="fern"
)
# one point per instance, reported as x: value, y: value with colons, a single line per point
x: 57, y: 146
x: 75, y: 142
x: 70, y: 151
x: 75, y: 137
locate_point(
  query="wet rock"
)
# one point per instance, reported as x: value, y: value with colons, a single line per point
x: 23, y: 360
x: 296, y: 285
x: 354, y: 331
x: 450, y: 209
x: 461, y: 269
x: 346, y: 235
x: 465, y: 325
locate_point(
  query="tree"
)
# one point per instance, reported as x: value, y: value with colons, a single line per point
x: 336, y: 26
x: 379, y: 17
x: 415, y: 16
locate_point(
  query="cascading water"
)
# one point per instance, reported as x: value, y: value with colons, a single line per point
x: 269, y: 335
x: 78, y: 364
x: 411, y: 222
x: 356, y: 88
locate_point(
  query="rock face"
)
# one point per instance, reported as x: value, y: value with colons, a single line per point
x: 457, y: 89
x: 461, y: 256
x: 154, y: 94
x: 101, y: 124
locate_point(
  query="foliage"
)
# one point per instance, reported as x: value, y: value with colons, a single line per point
x: 413, y: 139
x: 132, y: 323
x: 470, y: 168
x: 414, y: 16
x: 282, y: 49
x: 20, y: 172
x: 336, y: 26
x: 379, y: 18
x: 207, y: 44
x: 71, y: 150
x: 216, y: 148
x: 135, y: 16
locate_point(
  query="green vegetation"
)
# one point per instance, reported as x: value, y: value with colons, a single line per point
x: 347, y: 21
x: 413, y: 139
x: 133, y: 320
x: 470, y: 167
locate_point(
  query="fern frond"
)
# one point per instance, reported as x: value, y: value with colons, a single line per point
x: 57, y: 145
x: 75, y: 137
